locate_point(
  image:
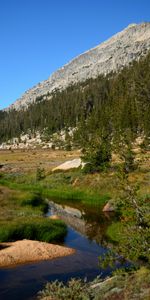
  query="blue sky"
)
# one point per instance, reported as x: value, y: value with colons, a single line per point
x: 39, y: 36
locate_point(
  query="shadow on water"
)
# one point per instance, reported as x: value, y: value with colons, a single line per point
x: 86, y: 233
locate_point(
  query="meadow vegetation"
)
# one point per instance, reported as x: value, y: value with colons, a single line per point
x: 23, y: 205
x: 124, y: 183
x: 122, y: 286
x: 21, y: 217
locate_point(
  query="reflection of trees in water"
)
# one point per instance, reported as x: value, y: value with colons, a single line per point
x: 96, y: 231
x: 96, y: 223
x: 96, y: 227
x: 87, y: 220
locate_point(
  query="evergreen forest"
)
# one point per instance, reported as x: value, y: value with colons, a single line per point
x: 108, y: 106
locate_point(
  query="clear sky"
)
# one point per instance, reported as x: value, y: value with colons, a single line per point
x: 39, y: 36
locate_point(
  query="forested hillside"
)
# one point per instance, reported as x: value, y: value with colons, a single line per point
x: 111, y: 104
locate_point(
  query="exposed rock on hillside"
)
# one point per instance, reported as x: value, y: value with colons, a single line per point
x: 37, y: 139
x: 111, y: 55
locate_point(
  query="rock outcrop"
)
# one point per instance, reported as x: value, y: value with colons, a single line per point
x: 70, y: 164
x: 111, y: 55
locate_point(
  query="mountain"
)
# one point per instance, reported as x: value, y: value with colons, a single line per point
x: 110, y: 106
x: 111, y: 55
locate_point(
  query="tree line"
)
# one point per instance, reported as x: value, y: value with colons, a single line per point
x: 103, y: 107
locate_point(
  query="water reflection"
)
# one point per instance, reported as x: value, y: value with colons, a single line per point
x: 88, y: 220
x: 86, y: 232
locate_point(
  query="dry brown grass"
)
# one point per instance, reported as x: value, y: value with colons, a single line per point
x: 27, y: 161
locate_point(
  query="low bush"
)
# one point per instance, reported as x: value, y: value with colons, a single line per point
x: 133, y: 285
x: 75, y: 289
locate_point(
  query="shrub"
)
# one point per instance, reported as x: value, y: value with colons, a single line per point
x: 123, y: 285
x: 97, y: 154
x: 40, y: 174
x: 76, y: 289
x: 88, y: 169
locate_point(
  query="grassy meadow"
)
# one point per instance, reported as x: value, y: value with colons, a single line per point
x: 22, y: 205
x: 27, y: 183
x: 23, y: 191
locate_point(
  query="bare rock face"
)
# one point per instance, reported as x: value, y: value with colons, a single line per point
x: 111, y: 55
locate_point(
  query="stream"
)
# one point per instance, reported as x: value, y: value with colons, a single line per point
x: 86, y: 233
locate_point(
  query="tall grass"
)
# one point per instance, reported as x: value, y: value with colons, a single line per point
x: 61, y: 192
x: 21, y: 217
x: 33, y: 228
x: 36, y: 200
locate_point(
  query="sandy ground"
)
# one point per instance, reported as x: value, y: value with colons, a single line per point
x: 25, y: 251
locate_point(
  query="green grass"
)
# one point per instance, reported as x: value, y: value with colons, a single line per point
x: 36, y: 201
x: 114, y: 232
x: 21, y: 217
x: 25, y: 204
x: 34, y: 229
x: 64, y: 192
x: 77, y: 195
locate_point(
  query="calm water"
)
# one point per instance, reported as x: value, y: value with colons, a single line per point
x: 86, y: 233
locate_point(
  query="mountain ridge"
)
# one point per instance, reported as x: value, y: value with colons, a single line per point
x: 111, y: 55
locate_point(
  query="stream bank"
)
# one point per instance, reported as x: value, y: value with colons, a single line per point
x: 23, y: 282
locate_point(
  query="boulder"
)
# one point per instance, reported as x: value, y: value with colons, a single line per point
x: 70, y: 164
x: 108, y: 207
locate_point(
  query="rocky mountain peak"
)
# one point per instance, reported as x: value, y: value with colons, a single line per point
x: 111, y: 55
